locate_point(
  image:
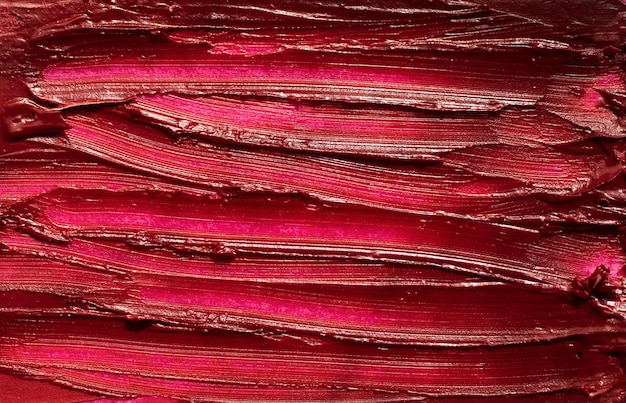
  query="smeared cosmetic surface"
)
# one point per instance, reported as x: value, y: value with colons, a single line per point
x: 312, y: 201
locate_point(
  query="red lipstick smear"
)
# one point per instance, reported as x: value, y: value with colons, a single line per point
x: 464, y: 82
x: 336, y: 129
x: 365, y: 201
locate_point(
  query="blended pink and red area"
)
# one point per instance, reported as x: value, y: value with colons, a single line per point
x: 364, y: 201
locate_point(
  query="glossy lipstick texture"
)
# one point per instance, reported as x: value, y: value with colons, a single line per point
x: 312, y: 201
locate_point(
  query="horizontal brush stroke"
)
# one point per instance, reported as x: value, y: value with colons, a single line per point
x: 542, y: 167
x: 30, y: 174
x: 549, y: 216
x: 16, y: 389
x: 443, y: 315
x: 462, y: 82
x: 434, y: 32
x: 33, y: 303
x: 580, y: 93
x: 278, y: 225
x: 26, y: 179
x: 422, y: 29
x: 348, y: 130
x: 36, y: 274
x: 505, y: 25
x: 28, y: 151
x: 602, y: 206
x: 47, y: 348
x: 424, y: 316
x: 381, y: 133
x: 147, y: 259
x: 145, y: 15
x: 309, y: 394
x: 116, y: 140
x: 145, y: 399
x: 199, y: 391
x: 558, y: 15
